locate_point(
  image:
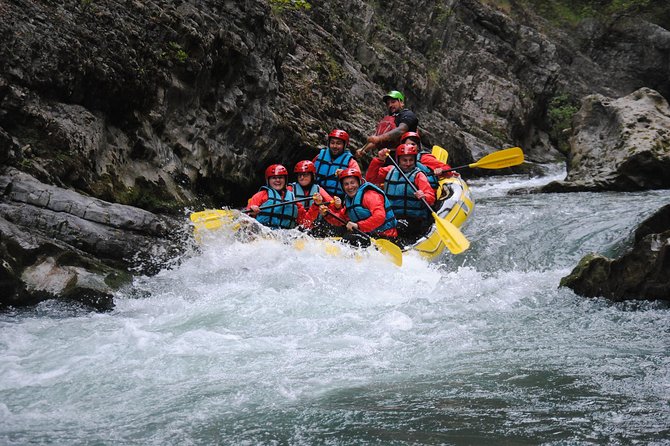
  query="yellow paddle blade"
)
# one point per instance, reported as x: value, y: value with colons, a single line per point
x: 440, y: 154
x: 212, y: 219
x: 333, y: 250
x: 299, y: 244
x: 502, y: 158
x: 390, y: 249
x: 213, y: 214
x: 452, y: 237
x: 328, y: 246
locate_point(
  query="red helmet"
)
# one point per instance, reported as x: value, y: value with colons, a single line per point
x: 275, y: 170
x: 410, y: 135
x: 304, y: 166
x: 404, y: 149
x: 340, y: 134
x: 351, y: 172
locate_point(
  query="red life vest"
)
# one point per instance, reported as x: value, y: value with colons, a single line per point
x: 385, y: 125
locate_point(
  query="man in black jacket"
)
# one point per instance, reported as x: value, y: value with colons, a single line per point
x: 389, y: 130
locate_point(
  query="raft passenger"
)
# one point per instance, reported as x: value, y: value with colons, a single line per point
x: 366, y: 209
x: 332, y: 160
x: 275, y: 192
x: 305, y: 186
x: 414, y: 217
x: 426, y: 158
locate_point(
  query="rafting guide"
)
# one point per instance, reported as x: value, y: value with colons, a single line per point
x: 398, y: 121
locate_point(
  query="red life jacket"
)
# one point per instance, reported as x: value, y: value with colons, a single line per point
x: 385, y: 125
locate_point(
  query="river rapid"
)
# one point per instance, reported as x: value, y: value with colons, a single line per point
x: 261, y: 344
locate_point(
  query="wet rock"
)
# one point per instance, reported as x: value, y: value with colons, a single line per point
x: 142, y: 103
x: 49, y: 278
x: 34, y: 268
x: 622, y: 55
x: 58, y: 243
x: 619, y: 144
x: 643, y: 273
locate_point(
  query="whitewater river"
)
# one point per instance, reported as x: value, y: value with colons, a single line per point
x: 260, y: 344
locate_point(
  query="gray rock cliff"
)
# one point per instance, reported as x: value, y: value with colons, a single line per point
x: 619, y: 144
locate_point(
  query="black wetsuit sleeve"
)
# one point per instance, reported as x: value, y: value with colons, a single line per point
x: 409, y: 118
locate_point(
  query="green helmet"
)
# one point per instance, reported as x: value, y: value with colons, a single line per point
x: 394, y: 94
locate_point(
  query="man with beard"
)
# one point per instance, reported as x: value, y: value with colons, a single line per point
x: 397, y: 122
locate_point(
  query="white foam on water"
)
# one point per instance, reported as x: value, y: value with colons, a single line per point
x: 262, y: 343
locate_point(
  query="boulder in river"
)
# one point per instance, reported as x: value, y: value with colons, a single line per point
x: 643, y: 273
x: 619, y: 144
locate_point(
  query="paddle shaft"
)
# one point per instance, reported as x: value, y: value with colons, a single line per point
x: 385, y: 246
x: 430, y: 208
x: 459, y: 168
x: 342, y: 220
x: 496, y: 160
x: 246, y: 211
x: 452, y: 237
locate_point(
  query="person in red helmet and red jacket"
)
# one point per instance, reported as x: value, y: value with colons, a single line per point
x: 275, y: 191
x: 425, y: 157
x: 399, y: 120
x: 305, y: 186
x: 332, y: 160
x: 366, y: 209
x: 414, y: 217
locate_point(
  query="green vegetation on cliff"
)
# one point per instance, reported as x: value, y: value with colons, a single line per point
x: 559, y: 113
x: 564, y: 13
x: 282, y: 5
x: 571, y: 12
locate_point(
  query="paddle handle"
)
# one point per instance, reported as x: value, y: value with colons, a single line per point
x: 362, y: 150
